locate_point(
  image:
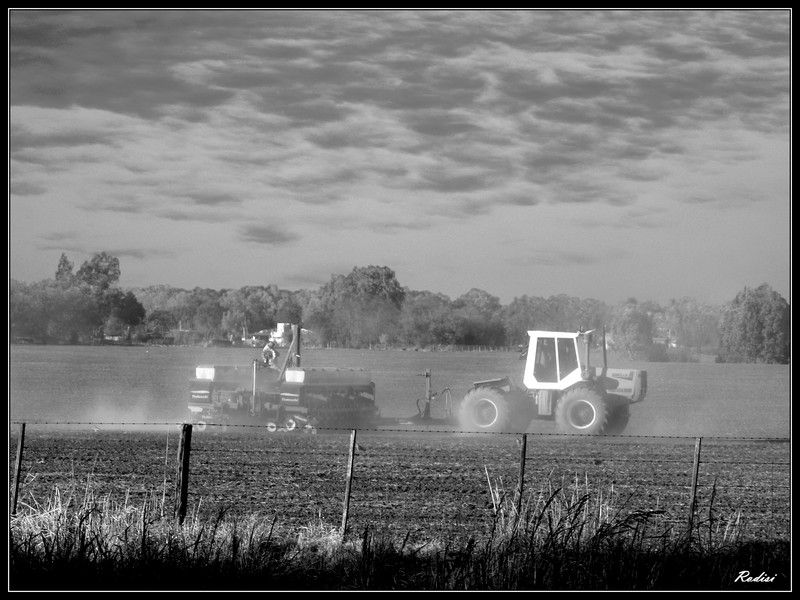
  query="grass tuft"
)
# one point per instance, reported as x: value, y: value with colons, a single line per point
x: 566, y: 535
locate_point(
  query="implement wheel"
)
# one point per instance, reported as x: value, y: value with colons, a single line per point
x: 485, y: 409
x: 583, y: 411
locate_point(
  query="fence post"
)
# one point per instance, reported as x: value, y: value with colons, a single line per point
x: 346, y: 508
x: 695, y: 471
x: 183, y: 473
x: 522, y: 453
x: 427, y: 411
x: 20, y: 446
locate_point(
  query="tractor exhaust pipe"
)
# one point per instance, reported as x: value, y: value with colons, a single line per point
x: 588, y: 355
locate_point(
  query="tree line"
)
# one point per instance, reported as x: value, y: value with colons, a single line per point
x: 368, y: 307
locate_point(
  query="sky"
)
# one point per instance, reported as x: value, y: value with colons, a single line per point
x: 599, y: 154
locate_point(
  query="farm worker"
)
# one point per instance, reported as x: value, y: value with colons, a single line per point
x: 269, y: 354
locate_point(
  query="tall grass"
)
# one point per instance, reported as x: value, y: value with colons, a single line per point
x: 566, y: 535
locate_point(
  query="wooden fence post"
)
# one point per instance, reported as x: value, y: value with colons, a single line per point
x: 426, y: 413
x: 18, y: 470
x: 695, y: 472
x: 522, y: 452
x: 183, y: 473
x: 346, y: 508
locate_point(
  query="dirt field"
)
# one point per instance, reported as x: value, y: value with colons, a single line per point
x: 429, y: 485
x: 141, y: 384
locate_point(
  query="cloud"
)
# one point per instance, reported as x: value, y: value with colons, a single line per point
x: 316, y: 185
x: 304, y: 280
x: 70, y: 241
x: 520, y: 200
x: 399, y: 226
x: 580, y: 192
x: 641, y: 173
x: 117, y: 205
x: 390, y: 120
x: 459, y: 207
x: 455, y: 181
x: 24, y: 140
x: 542, y: 165
x: 212, y: 198
x: 308, y: 113
x: 640, y: 217
x: 726, y: 198
x: 142, y: 254
x: 569, y: 258
x: 440, y: 123
x: 700, y: 199
x: 676, y: 52
x: 23, y: 188
x: 268, y: 235
x: 58, y: 236
x: 63, y: 247
x: 185, y: 215
x: 317, y: 274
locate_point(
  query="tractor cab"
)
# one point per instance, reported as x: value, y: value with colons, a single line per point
x: 553, y: 360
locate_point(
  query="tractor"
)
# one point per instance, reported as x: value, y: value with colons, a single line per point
x: 580, y: 398
x: 288, y: 398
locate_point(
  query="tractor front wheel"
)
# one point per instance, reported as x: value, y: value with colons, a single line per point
x: 485, y: 409
x: 582, y: 411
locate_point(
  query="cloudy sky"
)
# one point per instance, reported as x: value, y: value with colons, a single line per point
x: 597, y: 154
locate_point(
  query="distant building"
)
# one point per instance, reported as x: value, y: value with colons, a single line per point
x: 665, y: 341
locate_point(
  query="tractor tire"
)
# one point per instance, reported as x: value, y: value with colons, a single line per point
x: 485, y: 409
x: 618, y: 420
x: 583, y: 411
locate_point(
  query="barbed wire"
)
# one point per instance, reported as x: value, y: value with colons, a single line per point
x: 744, y: 462
x: 381, y: 452
x: 411, y: 430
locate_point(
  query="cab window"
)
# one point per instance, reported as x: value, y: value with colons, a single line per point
x: 544, y: 368
x: 567, y: 358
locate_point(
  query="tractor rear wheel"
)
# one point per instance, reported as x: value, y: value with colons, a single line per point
x: 618, y: 420
x: 485, y: 409
x: 583, y: 411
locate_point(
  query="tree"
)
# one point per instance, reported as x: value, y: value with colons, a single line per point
x: 755, y: 327
x: 522, y: 315
x: 289, y: 309
x: 64, y: 274
x: 691, y: 324
x: 632, y: 329
x: 592, y: 314
x: 27, y: 311
x: 203, y: 311
x: 478, y: 319
x: 72, y: 312
x: 160, y: 322
x: 358, y: 309
x: 125, y: 307
x: 99, y: 273
x: 562, y: 313
x: 422, y: 316
x: 50, y: 310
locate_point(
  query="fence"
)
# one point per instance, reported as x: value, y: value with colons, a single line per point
x: 419, y: 484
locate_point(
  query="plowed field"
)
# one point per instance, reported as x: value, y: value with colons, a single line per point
x: 428, y: 485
